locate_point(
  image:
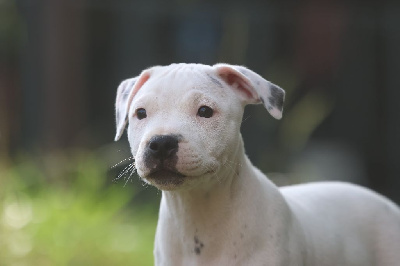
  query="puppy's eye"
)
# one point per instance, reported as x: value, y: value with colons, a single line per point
x: 205, y: 112
x: 141, y: 113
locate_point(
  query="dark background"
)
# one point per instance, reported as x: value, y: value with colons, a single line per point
x: 339, y: 62
x: 61, y: 62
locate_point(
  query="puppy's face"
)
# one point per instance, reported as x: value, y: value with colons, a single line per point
x: 184, y: 123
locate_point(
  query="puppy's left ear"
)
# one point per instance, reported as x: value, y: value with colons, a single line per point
x: 125, y: 93
x: 252, y: 88
x: 121, y: 105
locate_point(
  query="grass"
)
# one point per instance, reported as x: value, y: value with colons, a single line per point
x: 63, y: 210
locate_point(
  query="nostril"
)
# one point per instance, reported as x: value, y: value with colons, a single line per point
x: 163, y: 146
x: 153, y: 146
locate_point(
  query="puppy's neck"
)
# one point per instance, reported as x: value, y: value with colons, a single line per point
x: 214, y: 190
x: 210, y: 207
x: 197, y: 224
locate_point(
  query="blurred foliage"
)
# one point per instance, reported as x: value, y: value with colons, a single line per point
x: 78, y: 218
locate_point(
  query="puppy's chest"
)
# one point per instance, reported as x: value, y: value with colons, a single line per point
x: 240, y: 255
x: 220, y: 248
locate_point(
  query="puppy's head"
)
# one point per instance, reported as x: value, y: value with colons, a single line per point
x: 184, y: 119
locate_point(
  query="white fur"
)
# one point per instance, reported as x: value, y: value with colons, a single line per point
x: 226, y: 212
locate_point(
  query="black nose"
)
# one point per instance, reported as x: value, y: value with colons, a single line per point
x: 163, y: 146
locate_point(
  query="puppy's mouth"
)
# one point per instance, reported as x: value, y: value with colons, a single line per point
x: 165, y: 177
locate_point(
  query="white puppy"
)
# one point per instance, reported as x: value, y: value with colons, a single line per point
x: 216, y: 207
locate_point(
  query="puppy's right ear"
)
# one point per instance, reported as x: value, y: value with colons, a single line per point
x: 125, y: 93
x: 252, y: 88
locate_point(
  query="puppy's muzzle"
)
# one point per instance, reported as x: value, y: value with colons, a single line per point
x: 162, y: 147
x: 161, y: 159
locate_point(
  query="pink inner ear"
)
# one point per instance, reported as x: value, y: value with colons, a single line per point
x: 142, y: 80
x: 235, y: 80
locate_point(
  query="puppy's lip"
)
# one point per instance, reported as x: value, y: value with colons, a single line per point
x: 165, y: 178
x: 160, y: 173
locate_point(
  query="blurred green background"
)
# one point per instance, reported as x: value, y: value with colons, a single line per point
x: 60, y: 210
x: 61, y: 62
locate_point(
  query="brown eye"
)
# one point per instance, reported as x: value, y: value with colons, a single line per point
x: 141, y: 113
x: 205, y: 112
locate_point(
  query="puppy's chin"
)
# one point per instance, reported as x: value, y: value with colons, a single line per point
x: 165, y: 179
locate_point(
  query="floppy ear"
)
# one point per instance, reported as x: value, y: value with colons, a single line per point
x: 125, y: 93
x: 252, y: 88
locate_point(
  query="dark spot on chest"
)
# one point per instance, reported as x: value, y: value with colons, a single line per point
x: 197, y: 250
x: 198, y: 245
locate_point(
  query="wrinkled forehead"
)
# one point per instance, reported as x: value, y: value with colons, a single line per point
x: 179, y: 79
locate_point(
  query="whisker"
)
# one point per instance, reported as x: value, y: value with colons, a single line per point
x: 144, y: 184
x: 127, y: 171
x: 130, y: 175
x: 124, y: 171
x: 124, y: 160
